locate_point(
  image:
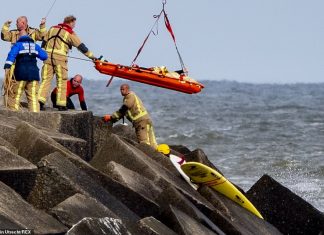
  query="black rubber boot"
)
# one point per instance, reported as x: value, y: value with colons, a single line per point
x: 62, y: 108
x: 42, y: 106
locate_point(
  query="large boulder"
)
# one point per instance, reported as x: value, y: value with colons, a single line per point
x: 77, y: 207
x: 73, y: 123
x: 152, y: 226
x: 234, y: 219
x: 117, y: 150
x: 8, y: 145
x: 16, y: 172
x: 281, y: 207
x: 146, y: 206
x: 15, y: 212
x: 184, y: 224
x: 58, y: 179
x: 99, y: 226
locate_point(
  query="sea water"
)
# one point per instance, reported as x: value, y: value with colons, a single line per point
x: 246, y: 130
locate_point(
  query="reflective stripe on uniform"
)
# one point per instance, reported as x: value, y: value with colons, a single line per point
x: 62, y: 50
x: 41, y: 88
x: 59, y: 78
x: 20, y: 89
x: 34, y: 96
x: 141, y: 112
x: 115, y: 115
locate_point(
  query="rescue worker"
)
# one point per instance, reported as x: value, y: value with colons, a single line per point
x: 13, y: 36
x: 26, y: 73
x: 22, y: 24
x: 57, y: 43
x: 73, y: 87
x: 136, y: 113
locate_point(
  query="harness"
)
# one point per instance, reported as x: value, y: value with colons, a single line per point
x: 58, y: 36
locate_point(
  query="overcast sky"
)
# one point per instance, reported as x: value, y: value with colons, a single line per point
x: 259, y: 41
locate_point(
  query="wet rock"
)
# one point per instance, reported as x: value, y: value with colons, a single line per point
x: 284, y: 209
x: 125, y: 131
x: 117, y: 150
x: 158, y: 157
x: 37, y: 145
x: 8, y: 128
x: 198, y: 155
x: 99, y: 226
x: 182, y: 223
x: 7, y: 222
x: 74, y: 123
x: 58, y: 179
x: 17, y: 212
x: 177, y: 200
x: 8, y: 145
x: 146, y: 205
x: 235, y: 219
x: 151, y: 226
x: 74, y: 144
x: 180, y: 149
x: 77, y: 207
x: 16, y: 172
x: 100, y: 132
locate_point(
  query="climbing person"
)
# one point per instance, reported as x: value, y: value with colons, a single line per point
x: 26, y: 73
x: 136, y: 113
x: 22, y: 24
x: 73, y: 87
x: 57, y: 43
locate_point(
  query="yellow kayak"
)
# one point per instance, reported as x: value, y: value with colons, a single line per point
x: 204, y: 175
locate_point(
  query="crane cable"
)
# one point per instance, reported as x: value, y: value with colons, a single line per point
x: 169, y: 28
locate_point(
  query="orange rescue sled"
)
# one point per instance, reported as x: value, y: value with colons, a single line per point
x: 169, y: 80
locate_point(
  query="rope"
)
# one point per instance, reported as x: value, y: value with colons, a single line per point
x: 151, y: 31
x: 7, y: 86
x: 148, y: 35
x: 169, y: 28
x: 50, y: 9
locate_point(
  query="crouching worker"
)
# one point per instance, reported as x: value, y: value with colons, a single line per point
x: 73, y: 87
x: 136, y: 113
x: 26, y: 73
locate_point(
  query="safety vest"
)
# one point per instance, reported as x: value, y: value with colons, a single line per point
x: 136, y: 110
x: 58, y: 40
x: 13, y: 35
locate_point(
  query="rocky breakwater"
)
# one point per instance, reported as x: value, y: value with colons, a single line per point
x: 69, y: 173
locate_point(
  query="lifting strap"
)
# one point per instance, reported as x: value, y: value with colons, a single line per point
x: 169, y: 28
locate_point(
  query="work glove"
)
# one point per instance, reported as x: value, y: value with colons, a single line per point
x: 101, y: 58
x: 106, y: 118
x: 7, y: 66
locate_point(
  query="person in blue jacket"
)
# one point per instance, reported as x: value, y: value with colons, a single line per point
x: 26, y: 73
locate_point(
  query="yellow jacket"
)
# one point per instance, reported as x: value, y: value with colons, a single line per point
x: 132, y: 108
x: 13, y: 35
x: 59, y: 40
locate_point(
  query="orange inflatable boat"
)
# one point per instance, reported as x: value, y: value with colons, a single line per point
x: 156, y: 76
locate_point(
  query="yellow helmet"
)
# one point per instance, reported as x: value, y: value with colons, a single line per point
x: 163, y: 148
